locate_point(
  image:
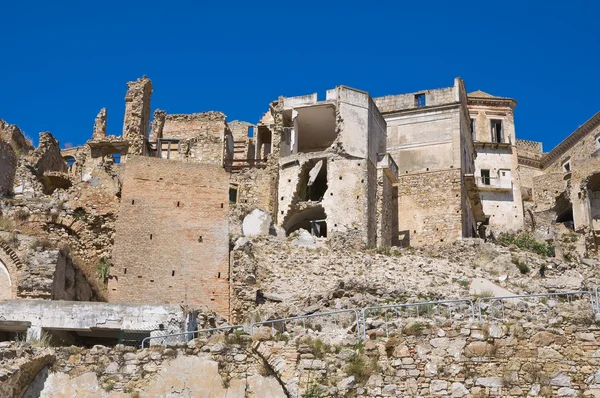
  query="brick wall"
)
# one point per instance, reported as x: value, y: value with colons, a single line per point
x: 158, y: 256
x: 8, y: 165
x: 429, y: 207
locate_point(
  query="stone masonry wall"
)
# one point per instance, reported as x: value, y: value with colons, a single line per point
x: 429, y: 207
x: 392, y: 103
x: 8, y: 165
x: 546, y: 188
x: 385, y: 210
x: 202, y: 136
x: 137, y: 114
x: 172, y: 235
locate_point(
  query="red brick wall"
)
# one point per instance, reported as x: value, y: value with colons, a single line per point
x: 157, y: 256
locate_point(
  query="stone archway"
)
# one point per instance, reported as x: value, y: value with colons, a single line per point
x: 9, y: 272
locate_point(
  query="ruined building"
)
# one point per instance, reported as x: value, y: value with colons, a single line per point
x: 156, y: 209
x: 563, y: 185
x: 430, y: 139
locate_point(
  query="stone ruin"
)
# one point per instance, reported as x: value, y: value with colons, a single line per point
x: 161, y: 218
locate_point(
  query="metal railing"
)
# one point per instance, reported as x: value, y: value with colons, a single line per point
x: 497, y: 304
x: 425, y: 312
x: 191, y: 332
x: 281, y: 322
x: 427, y: 309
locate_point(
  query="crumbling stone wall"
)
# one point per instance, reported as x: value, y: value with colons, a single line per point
x: 254, y: 187
x: 43, y: 170
x: 546, y: 188
x: 172, y: 235
x: 391, y: 103
x: 8, y: 165
x: 137, y: 114
x: 38, y: 272
x: 158, y: 124
x: 429, y: 207
x: 100, y: 125
x: 13, y: 135
x: 239, y: 131
x: 202, y: 136
x: 385, y: 210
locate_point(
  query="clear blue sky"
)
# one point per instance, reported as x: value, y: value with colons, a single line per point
x: 63, y: 61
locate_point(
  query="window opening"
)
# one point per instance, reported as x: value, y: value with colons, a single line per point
x: 116, y: 157
x: 567, y: 166
x: 233, y: 192
x: 420, y: 100
x: 485, y: 177
x: 497, y: 130
x: 319, y: 228
x: 473, y: 132
x: 316, y: 182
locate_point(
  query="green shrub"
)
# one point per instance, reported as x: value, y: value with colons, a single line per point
x: 361, y: 367
x: 523, y: 267
x: 103, y: 269
x: 526, y: 241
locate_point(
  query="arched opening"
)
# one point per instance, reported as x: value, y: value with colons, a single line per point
x: 5, y: 283
x: 564, y: 211
x: 312, y: 219
x: 70, y: 160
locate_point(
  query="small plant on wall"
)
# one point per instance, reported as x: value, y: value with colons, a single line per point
x: 103, y: 270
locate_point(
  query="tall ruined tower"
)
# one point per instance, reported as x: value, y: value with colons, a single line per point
x: 137, y: 114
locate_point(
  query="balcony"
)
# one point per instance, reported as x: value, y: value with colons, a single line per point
x: 493, y: 184
x: 507, y: 144
x: 389, y: 166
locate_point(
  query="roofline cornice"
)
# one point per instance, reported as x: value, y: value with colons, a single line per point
x: 508, y: 102
x: 571, y: 140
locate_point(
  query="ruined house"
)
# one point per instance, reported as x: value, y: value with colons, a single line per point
x: 493, y: 130
x: 428, y: 135
x: 564, y: 184
x: 329, y: 155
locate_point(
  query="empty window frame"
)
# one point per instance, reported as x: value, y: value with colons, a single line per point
x: 597, y: 140
x: 420, y: 100
x: 167, y: 146
x: 566, y: 166
x: 116, y: 157
x: 497, y: 130
x: 233, y: 193
x: 473, y: 129
x: 485, y: 177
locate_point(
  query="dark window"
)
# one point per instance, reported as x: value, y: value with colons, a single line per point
x: 485, y: 177
x: 233, y: 191
x: 567, y: 166
x: 420, y: 100
x: 497, y: 130
x: 473, y: 132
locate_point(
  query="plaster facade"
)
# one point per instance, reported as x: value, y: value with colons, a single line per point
x: 496, y: 164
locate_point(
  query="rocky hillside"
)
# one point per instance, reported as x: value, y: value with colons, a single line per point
x: 279, y: 277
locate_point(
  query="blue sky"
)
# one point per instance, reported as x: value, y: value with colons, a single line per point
x: 63, y: 61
